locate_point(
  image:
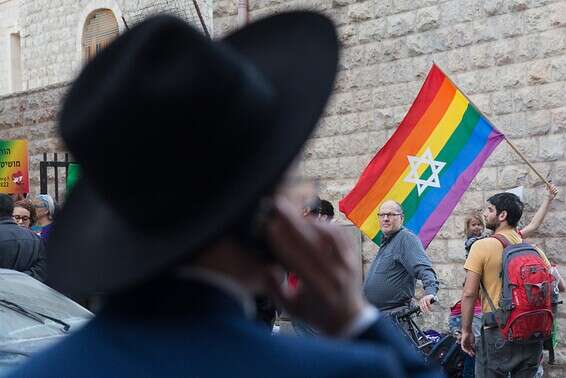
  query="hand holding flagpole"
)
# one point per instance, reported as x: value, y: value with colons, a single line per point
x: 527, y: 162
x: 510, y: 144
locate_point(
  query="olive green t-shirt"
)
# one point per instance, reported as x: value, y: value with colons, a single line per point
x: 485, y: 259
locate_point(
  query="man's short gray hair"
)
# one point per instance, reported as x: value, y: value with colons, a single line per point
x: 397, y: 205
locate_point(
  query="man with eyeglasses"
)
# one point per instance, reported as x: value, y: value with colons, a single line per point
x: 400, y: 261
x: 20, y: 249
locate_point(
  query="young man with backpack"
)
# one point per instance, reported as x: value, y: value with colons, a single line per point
x: 516, y: 286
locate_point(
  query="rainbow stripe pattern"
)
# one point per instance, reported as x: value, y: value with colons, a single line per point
x: 427, y: 164
x: 14, y: 166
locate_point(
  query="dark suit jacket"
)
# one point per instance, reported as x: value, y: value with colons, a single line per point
x: 22, y: 250
x: 189, y: 329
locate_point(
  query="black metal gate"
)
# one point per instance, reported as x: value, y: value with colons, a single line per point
x: 55, y: 164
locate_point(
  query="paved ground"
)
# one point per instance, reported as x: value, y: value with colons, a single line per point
x: 285, y: 326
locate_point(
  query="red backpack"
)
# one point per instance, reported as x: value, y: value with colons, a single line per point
x: 525, y: 306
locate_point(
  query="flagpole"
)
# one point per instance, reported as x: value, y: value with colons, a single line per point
x: 202, y: 23
x: 504, y: 136
x: 525, y: 160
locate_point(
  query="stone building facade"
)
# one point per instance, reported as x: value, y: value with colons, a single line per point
x: 42, y: 39
x: 509, y: 56
x: 41, y: 50
x: 32, y: 115
x: 8, y: 37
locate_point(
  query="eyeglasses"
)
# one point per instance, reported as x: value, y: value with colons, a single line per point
x: 23, y: 218
x: 388, y: 215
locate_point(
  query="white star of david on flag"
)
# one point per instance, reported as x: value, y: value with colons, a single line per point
x: 413, y: 176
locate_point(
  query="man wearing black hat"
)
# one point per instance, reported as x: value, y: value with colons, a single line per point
x: 229, y: 116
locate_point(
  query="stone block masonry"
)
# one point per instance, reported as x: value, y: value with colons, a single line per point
x: 51, y: 33
x: 32, y: 115
x: 509, y: 56
x: 8, y: 25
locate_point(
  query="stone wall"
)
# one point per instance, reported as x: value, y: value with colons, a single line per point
x: 8, y: 25
x: 509, y: 56
x: 32, y: 115
x: 51, y: 32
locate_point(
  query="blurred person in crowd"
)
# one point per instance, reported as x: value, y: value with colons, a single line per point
x: 326, y: 211
x: 266, y: 311
x: 45, y: 211
x: 312, y: 208
x: 315, y: 210
x: 236, y: 111
x: 20, y: 248
x: 18, y: 196
x: 559, y: 287
x: 551, y: 343
x: 24, y: 213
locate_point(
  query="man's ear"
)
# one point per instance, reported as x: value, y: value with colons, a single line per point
x: 502, y: 216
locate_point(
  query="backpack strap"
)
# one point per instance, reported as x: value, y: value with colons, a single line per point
x: 489, y: 301
x: 502, y: 239
x: 505, y: 242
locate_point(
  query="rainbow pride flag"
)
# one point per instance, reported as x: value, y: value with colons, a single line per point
x: 427, y: 164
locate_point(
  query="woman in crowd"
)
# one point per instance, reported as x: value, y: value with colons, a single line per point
x: 45, y: 210
x: 24, y: 213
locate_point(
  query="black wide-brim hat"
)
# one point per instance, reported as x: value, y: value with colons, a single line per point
x: 178, y: 137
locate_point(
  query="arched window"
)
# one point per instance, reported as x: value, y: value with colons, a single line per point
x: 100, y: 28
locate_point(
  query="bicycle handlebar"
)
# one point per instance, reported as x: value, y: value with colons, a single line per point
x: 413, y: 309
x: 408, y: 312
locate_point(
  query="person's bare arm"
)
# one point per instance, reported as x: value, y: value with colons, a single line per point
x: 559, y: 278
x: 561, y: 283
x: 469, y: 297
x: 535, y: 223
